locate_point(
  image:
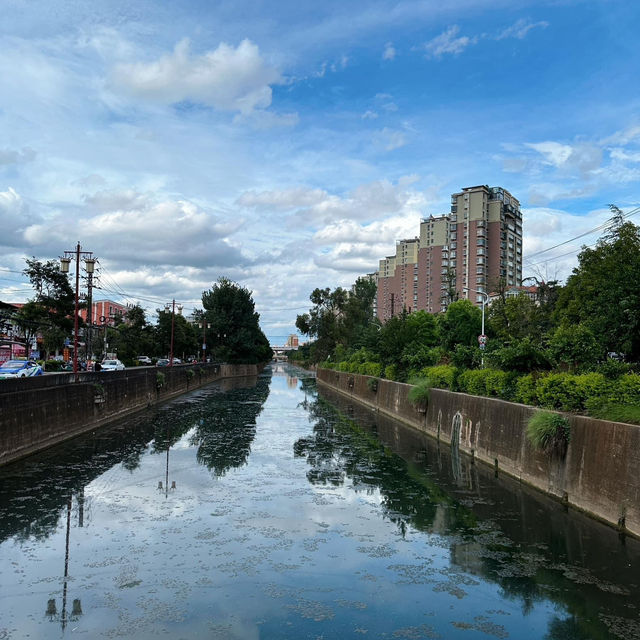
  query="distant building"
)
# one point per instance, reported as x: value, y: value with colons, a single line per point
x: 292, y: 341
x: 105, y: 312
x: 460, y: 254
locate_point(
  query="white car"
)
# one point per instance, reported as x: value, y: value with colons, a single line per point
x: 144, y: 360
x: 112, y: 365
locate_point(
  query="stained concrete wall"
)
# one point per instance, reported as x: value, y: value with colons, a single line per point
x: 599, y: 474
x: 36, y: 413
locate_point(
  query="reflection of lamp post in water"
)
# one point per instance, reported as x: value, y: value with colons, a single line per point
x: 166, y: 478
x: 76, y: 610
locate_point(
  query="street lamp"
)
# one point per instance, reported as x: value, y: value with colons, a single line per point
x: 204, y: 326
x: 482, y: 338
x: 89, y: 262
x: 172, y: 306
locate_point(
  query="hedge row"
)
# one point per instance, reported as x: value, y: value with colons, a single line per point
x: 560, y: 391
x: 584, y: 393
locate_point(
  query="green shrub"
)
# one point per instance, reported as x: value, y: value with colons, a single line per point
x: 611, y: 368
x: 442, y: 376
x: 391, y: 372
x: 327, y: 364
x: 547, y: 430
x: 343, y: 365
x: 190, y: 374
x: 628, y: 413
x: 472, y: 381
x: 567, y: 392
x: 626, y: 389
x: 370, y: 369
x: 525, y: 389
x: 500, y: 384
x: 420, y: 392
x: 160, y: 378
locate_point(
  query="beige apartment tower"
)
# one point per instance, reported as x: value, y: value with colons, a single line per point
x: 464, y: 253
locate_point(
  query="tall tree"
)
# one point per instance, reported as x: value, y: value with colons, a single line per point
x: 235, y: 332
x: 603, y: 292
x: 51, y: 309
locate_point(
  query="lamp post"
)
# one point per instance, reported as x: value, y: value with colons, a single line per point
x: 167, y: 306
x: 482, y: 338
x: 204, y: 326
x: 90, y: 262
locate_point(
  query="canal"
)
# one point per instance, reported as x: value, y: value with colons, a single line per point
x: 265, y: 508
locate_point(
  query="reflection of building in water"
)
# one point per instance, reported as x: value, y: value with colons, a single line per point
x: 469, y: 556
x: 292, y: 382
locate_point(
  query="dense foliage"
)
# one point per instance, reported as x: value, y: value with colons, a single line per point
x: 228, y: 324
x: 572, y: 348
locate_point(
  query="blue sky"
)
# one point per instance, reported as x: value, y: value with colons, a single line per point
x: 288, y: 145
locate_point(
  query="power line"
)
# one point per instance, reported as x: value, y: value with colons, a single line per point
x: 600, y: 227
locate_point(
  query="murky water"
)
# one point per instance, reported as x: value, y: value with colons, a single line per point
x: 256, y: 509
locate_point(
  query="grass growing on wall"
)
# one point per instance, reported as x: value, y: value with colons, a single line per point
x: 420, y: 392
x: 547, y: 430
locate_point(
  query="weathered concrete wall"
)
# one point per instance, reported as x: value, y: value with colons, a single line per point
x: 599, y: 474
x: 36, y: 413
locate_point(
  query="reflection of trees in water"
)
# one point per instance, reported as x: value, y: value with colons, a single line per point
x: 339, y: 449
x: 226, y: 427
x: 33, y: 492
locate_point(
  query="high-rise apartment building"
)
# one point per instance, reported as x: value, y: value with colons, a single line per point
x: 463, y: 253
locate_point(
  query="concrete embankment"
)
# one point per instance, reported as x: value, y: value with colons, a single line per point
x: 600, y: 473
x: 36, y: 413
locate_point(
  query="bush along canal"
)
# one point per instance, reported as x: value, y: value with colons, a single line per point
x: 259, y: 508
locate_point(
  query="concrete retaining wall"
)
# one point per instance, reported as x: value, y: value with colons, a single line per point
x: 36, y: 413
x: 599, y: 474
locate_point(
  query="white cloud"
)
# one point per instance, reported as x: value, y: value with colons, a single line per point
x: 520, y: 29
x: 369, y: 115
x: 447, y: 42
x: 13, y: 217
x: 389, y: 52
x: 228, y: 78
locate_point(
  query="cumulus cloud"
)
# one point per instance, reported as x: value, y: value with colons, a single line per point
x: 13, y: 217
x: 448, y: 42
x: 136, y: 229
x: 520, y: 29
x: 227, y: 78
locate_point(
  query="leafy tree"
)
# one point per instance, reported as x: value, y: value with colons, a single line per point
x: 603, y: 292
x: 524, y: 355
x: 235, y: 332
x: 460, y: 324
x: 574, y: 347
x: 52, y: 308
x: 513, y: 318
x: 324, y: 321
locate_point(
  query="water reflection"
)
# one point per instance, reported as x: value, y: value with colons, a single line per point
x: 35, y: 492
x: 294, y: 517
x: 498, y: 529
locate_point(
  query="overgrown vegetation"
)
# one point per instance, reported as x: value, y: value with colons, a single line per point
x: 420, y: 392
x: 574, y: 348
x: 549, y: 431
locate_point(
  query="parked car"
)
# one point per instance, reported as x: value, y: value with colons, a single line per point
x: 162, y: 362
x: 144, y: 360
x: 176, y: 360
x: 112, y: 365
x: 20, y: 369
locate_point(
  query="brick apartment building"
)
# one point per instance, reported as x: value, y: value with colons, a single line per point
x: 105, y: 312
x: 473, y: 246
